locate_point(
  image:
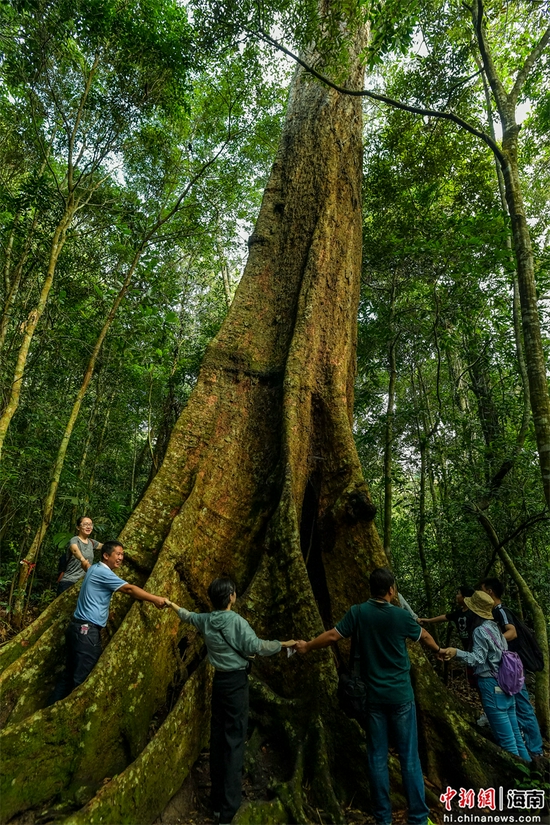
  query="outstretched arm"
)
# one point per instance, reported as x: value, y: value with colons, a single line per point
x: 142, y: 595
x: 176, y: 608
x: 429, y: 641
x: 434, y: 619
x: 324, y: 640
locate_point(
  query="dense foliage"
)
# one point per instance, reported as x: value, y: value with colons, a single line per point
x: 135, y: 141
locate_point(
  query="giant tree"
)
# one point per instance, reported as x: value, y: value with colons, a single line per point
x: 261, y: 480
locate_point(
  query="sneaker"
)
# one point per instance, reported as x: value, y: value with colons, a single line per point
x: 482, y: 722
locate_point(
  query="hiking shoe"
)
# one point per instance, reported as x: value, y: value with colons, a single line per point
x: 482, y: 722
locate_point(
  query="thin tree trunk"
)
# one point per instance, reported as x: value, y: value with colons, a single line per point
x: 516, y: 308
x: 534, y: 354
x: 47, y: 512
x: 12, y: 280
x: 388, y: 441
x: 225, y: 274
x: 15, y: 283
x: 421, y: 531
x: 97, y: 453
x: 87, y: 443
x: 425, y: 431
x: 30, y: 325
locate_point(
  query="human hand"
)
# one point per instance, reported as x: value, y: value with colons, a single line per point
x: 422, y: 621
x: 85, y: 564
x: 159, y: 602
x: 290, y: 643
x: 446, y: 653
x: 301, y: 646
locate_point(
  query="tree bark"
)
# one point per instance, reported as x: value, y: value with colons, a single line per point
x: 261, y: 471
x: 534, y: 353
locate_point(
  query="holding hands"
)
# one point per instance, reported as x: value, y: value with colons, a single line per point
x: 446, y: 654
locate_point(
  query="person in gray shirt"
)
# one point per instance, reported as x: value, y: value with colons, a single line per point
x: 230, y: 642
x: 80, y: 554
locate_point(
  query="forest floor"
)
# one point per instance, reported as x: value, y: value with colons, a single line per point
x: 190, y: 806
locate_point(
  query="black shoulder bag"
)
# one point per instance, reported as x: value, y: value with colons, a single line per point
x: 352, y: 691
x: 526, y: 646
x: 247, y: 659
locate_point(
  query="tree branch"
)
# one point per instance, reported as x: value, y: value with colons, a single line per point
x: 397, y: 104
x: 528, y: 65
x: 496, y: 85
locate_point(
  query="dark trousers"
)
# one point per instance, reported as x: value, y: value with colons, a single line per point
x: 227, y: 736
x: 62, y: 585
x: 82, y: 651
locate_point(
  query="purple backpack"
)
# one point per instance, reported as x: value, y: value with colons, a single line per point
x: 509, y: 676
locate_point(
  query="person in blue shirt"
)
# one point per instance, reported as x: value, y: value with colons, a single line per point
x: 230, y: 642
x: 382, y: 630
x: 83, y: 636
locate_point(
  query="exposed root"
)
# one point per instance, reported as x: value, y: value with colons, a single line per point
x: 56, y: 615
x: 147, y: 784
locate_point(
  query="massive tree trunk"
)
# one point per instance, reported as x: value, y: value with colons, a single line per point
x: 261, y: 481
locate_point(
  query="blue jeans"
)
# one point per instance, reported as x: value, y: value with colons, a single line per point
x: 527, y: 722
x: 501, y: 713
x: 401, y: 719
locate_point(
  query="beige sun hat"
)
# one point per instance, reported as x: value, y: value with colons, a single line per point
x: 481, y: 604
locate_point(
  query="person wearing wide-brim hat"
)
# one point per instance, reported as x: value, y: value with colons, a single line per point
x: 485, y: 654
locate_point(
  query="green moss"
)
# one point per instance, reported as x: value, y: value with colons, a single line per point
x: 261, y: 813
x: 148, y: 783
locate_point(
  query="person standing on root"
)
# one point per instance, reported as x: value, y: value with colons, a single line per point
x: 382, y: 630
x: 80, y: 555
x: 230, y: 642
x: 527, y: 721
x: 83, y: 636
x: 485, y: 654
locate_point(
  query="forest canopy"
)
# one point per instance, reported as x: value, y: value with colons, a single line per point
x: 107, y: 116
x: 139, y: 142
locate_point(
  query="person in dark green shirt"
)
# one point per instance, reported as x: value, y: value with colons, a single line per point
x: 382, y: 631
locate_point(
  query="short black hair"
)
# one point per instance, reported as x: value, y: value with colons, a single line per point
x: 380, y: 581
x: 109, y: 547
x: 466, y: 590
x: 220, y: 591
x: 80, y: 519
x: 495, y: 585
